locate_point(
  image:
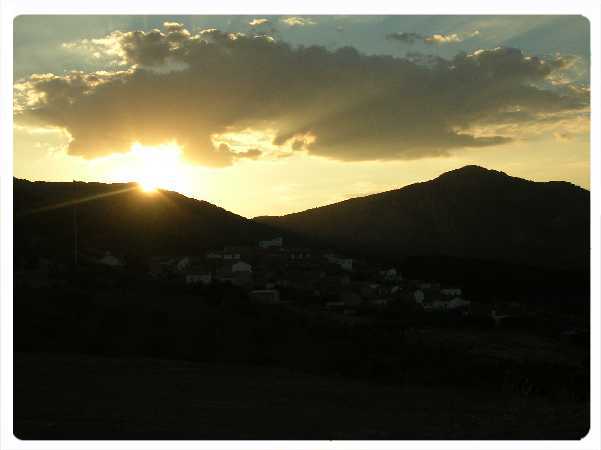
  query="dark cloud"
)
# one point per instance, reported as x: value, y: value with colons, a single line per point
x: 338, y: 104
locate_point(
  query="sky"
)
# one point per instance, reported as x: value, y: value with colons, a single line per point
x: 268, y: 115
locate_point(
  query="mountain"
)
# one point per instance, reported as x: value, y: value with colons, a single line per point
x: 122, y: 219
x: 469, y: 213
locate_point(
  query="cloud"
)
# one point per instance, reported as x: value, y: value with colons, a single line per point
x: 253, y: 153
x: 437, y: 38
x: 442, y: 39
x: 298, y: 21
x: 173, y: 27
x: 341, y: 104
x: 404, y: 37
x: 258, y: 22
x: 562, y: 136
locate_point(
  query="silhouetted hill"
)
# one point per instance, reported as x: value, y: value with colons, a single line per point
x: 469, y: 213
x: 121, y: 219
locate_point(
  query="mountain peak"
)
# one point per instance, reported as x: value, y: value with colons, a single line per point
x: 471, y: 212
x: 471, y: 170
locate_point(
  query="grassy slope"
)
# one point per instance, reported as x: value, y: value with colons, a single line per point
x: 68, y: 397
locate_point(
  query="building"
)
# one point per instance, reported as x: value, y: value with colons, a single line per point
x: 109, y: 260
x: 456, y: 292
x: 390, y: 274
x: 245, y: 252
x: 203, y: 278
x: 458, y: 304
x: 343, y: 263
x: 194, y: 270
x: 241, y: 266
x: 277, y: 242
x: 443, y: 305
x: 346, y: 264
x: 498, y: 318
x: 300, y: 254
x: 334, y: 305
x: 419, y: 296
x: 223, y: 254
x: 182, y: 264
x: 237, y: 273
x: 265, y: 295
x: 380, y: 302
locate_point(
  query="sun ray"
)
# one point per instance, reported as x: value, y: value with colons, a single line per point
x: 75, y: 201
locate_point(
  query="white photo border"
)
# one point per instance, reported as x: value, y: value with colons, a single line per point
x: 591, y: 9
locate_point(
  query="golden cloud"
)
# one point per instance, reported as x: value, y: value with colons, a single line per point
x: 340, y: 104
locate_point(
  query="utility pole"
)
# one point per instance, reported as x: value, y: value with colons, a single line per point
x: 75, y: 250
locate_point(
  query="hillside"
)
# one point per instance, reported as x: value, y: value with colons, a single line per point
x: 121, y: 219
x: 469, y: 213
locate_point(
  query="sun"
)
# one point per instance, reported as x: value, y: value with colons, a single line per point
x: 148, y: 186
x: 155, y: 168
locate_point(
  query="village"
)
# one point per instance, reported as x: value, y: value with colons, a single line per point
x: 305, y: 279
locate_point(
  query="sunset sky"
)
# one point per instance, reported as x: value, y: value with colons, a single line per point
x: 277, y: 114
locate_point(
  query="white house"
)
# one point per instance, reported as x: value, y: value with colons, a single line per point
x: 458, y: 303
x: 334, y: 305
x: 419, y: 296
x: 439, y: 305
x: 456, y: 292
x: 265, y: 295
x: 182, y: 264
x: 498, y: 317
x: 344, y: 263
x: 109, y: 260
x: 223, y: 255
x: 380, y: 301
x: 199, y: 278
x: 241, y: 266
x: 390, y: 274
x: 275, y: 242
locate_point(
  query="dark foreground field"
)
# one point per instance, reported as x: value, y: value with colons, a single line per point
x: 79, y: 397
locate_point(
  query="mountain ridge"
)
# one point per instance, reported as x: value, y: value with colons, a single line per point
x: 472, y: 168
x: 471, y: 212
x: 120, y: 218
